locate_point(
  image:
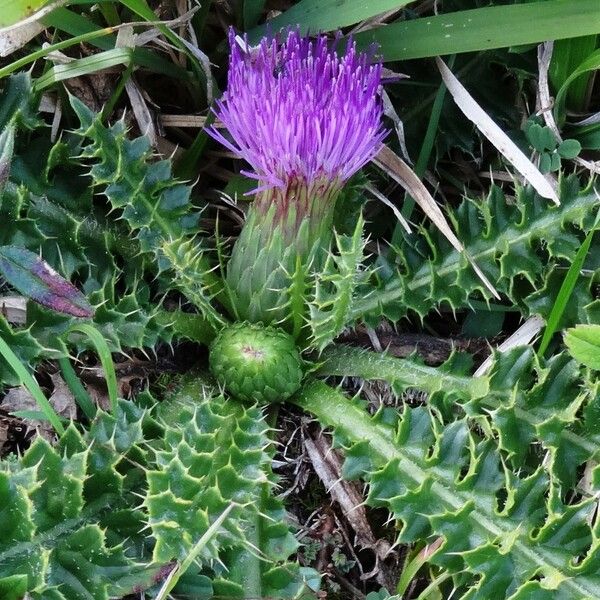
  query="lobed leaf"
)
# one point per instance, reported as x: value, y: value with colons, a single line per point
x: 520, y: 247
x: 334, y: 286
x: 511, y: 533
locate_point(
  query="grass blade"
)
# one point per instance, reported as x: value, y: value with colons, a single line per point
x: 75, y: 24
x: 105, y: 359
x: 566, y: 289
x: 178, y: 571
x: 75, y: 386
x: 483, y: 29
x: 32, y: 386
x: 84, y: 66
x: 313, y: 16
x: 567, y: 56
x: 591, y: 63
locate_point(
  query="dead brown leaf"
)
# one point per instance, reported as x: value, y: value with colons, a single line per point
x: 328, y: 467
x: 19, y: 399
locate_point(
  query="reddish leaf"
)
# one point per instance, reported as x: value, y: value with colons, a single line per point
x: 34, y: 278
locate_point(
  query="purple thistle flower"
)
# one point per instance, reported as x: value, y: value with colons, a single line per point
x: 303, y: 116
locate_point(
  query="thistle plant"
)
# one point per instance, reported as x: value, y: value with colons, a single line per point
x: 484, y: 471
x: 305, y: 118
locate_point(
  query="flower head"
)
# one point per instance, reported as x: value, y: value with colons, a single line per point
x: 302, y: 115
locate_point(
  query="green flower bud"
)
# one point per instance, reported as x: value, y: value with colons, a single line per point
x: 256, y: 363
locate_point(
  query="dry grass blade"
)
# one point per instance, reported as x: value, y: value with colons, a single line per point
x: 14, y: 309
x: 546, y: 102
x: 544, y: 56
x: 328, y: 467
x: 377, y: 194
x: 398, y: 170
x: 184, y: 121
x: 496, y: 136
x: 16, y: 38
x: 521, y: 337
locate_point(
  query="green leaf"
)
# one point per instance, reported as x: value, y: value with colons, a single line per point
x: 356, y: 362
x: 569, y: 149
x: 34, y: 278
x: 334, y: 287
x: 583, y: 343
x: 520, y: 247
x: 99, y: 343
x: 13, y: 11
x: 478, y: 29
x: 17, y: 102
x: 193, y: 276
x: 445, y: 481
x: 566, y: 289
x: 591, y: 63
x: 566, y: 56
x: 326, y: 15
x: 62, y: 510
x: 545, y: 163
x: 13, y: 588
x: 252, y: 11
x: 214, y: 457
x: 541, y: 138
x: 526, y: 404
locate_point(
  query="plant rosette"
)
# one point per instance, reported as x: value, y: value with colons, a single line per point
x: 256, y: 363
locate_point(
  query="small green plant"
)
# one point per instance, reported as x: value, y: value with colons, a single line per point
x: 549, y: 149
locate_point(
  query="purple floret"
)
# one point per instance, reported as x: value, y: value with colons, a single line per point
x: 300, y: 113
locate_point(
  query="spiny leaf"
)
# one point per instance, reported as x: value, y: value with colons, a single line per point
x: 214, y: 454
x: 17, y: 102
x: 60, y: 506
x: 34, y: 278
x: 583, y: 343
x: 446, y: 481
x: 526, y: 402
x: 188, y: 262
x: 155, y: 205
x: 334, y: 287
x: 519, y: 248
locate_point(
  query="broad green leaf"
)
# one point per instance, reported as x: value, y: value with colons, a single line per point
x: 13, y: 11
x: 567, y: 55
x: 252, y: 10
x: 591, y: 63
x: 569, y: 149
x: 482, y: 29
x: 541, y: 138
x: 312, y: 16
x: 583, y: 343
